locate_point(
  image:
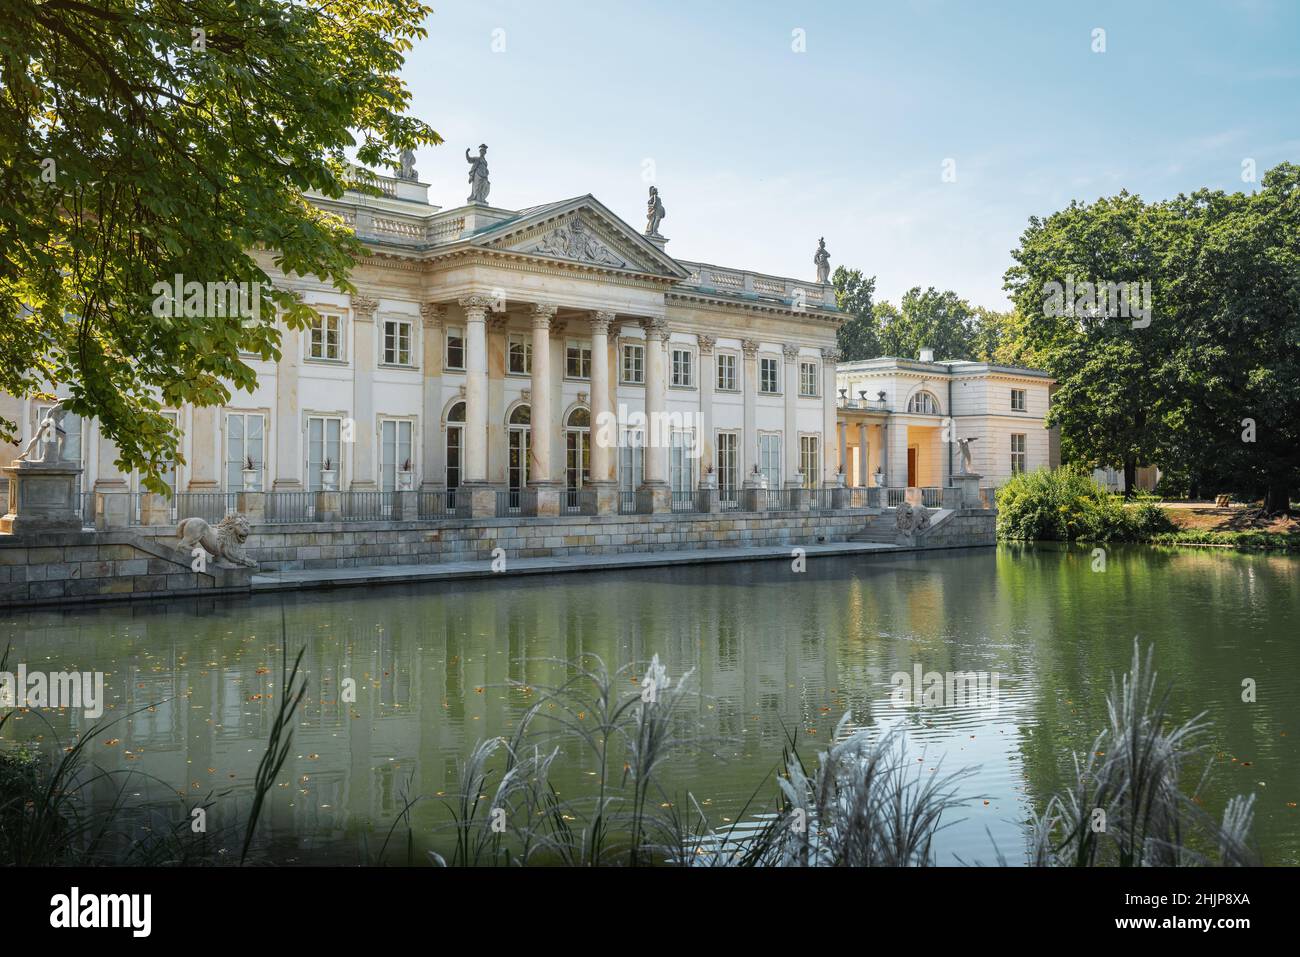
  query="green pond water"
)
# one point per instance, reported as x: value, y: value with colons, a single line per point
x: 439, y: 667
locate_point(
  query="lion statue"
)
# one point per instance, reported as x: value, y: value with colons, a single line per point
x: 225, y: 542
x: 911, y: 519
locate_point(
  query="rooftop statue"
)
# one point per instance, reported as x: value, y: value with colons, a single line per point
x: 654, y: 212
x: 822, y: 260
x: 478, y: 175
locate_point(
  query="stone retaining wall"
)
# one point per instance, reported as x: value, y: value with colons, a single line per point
x: 58, y: 567
x: 961, y: 528
x: 354, y: 544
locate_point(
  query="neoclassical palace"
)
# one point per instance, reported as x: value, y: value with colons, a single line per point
x: 553, y: 348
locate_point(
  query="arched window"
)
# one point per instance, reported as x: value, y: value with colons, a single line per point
x: 577, y: 454
x: 923, y: 403
x: 518, y: 466
x: 455, y: 427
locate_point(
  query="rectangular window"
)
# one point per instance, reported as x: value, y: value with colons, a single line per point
x: 325, y: 337
x: 727, y: 372
x: 769, y: 458
x: 397, y: 342
x: 245, y: 447
x: 633, y: 363
x: 577, y: 359
x: 809, y: 460
x: 683, y: 368
x: 455, y: 348
x: 323, y: 450
x: 1017, y: 452
x: 728, y: 465
x: 808, y: 378
x: 520, y: 354
x: 1018, y: 400
x: 769, y: 375
x: 681, y: 463
x: 631, y: 461
x: 395, y: 451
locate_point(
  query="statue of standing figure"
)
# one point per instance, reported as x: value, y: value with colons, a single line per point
x: 478, y: 175
x: 654, y: 212
x: 967, y: 465
x: 822, y: 260
x: 46, y: 445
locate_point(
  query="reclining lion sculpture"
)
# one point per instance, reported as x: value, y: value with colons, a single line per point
x: 224, y: 542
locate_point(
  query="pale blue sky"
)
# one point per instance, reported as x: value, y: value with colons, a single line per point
x: 758, y: 150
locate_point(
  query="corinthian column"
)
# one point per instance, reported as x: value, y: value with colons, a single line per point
x: 656, y: 402
x: 603, y: 479
x: 363, y: 392
x: 542, y: 430
x: 708, y: 378
x: 791, y: 442
x: 475, y: 451
x: 830, y: 358
x: 749, y: 436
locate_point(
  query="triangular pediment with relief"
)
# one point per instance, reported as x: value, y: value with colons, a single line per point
x: 584, y: 231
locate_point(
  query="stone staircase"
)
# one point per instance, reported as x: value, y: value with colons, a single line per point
x: 879, y: 529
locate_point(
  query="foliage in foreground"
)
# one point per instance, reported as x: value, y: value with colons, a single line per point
x: 1064, y: 505
x: 145, y: 139
x: 868, y: 803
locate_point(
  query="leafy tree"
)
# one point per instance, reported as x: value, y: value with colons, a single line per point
x: 144, y: 139
x: 1112, y: 372
x: 942, y: 321
x: 853, y: 295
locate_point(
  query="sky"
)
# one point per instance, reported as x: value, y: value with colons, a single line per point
x: 759, y: 148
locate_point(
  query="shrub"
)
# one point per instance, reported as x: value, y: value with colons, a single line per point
x: 1064, y: 505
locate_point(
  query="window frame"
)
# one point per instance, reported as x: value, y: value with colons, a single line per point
x: 457, y: 333
x: 623, y: 354
x: 733, y: 360
x: 583, y: 349
x: 397, y: 360
x: 1023, y: 396
x: 317, y: 324
x: 810, y: 458
x: 811, y: 392
x: 775, y: 365
x: 686, y: 366
x: 1019, y: 456
x: 524, y: 340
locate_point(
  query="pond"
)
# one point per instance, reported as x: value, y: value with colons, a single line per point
x: 439, y: 667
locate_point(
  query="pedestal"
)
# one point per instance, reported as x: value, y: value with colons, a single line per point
x: 155, y: 509
x: 550, y: 499
x: 606, y: 497
x: 42, y: 498
x: 252, y: 505
x: 329, y: 506
x: 654, y: 498
x: 969, y: 487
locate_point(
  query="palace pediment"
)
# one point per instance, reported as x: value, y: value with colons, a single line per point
x: 580, y: 230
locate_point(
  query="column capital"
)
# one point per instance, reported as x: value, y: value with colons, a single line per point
x: 433, y: 314
x: 365, y: 307
x: 749, y: 347
x: 543, y: 315
x: 656, y: 327
x: 476, y: 307
x: 831, y: 354
x: 706, y: 344
x: 791, y: 352
x: 601, y: 321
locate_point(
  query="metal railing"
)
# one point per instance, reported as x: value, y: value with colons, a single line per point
x: 433, y: 504
x: 895, y: 497
x: 212, y: 506
x: 684, y: 500
x: 729, y: 498
x: 287, y: 508
x: 627, y: 501
x: 579, y: 501
x: 931, y: 497
x: 520, y: 502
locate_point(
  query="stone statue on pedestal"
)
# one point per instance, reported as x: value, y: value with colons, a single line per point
x: 407, y: 172
x: 47, y: 444
x: 478, y: 175
x: 966, y: 465
x: 654, y: 212
x: 822, y: 260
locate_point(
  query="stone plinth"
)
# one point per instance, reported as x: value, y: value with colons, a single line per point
x: 968, y: 486
x: 329, y: 506
x: 405, y: 506
x: 606, y: 497
x: 550, y: 499
x: 252, y: 505
x: 42, y: 498
x: 654, y: 498
x: 156, y: 509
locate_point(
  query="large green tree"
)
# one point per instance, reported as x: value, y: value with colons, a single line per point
x: 1111, y: 370
x: 942, y: 321
x: 145, y: 139
x: 853, y: 295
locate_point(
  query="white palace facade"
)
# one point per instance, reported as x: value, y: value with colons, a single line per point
x: 486, y: 348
